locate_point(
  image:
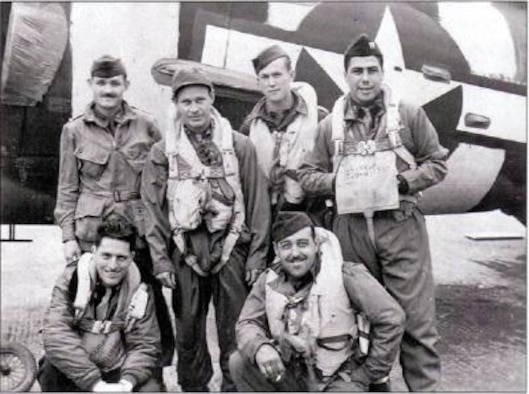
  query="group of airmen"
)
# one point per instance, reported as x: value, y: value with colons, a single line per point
x: 241, y: 219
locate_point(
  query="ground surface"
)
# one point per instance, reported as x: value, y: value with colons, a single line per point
x: 481, y: 300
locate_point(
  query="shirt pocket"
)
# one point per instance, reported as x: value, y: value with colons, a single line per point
x: 136, y: 154
x: 93, y: 160
x: 88, y: 215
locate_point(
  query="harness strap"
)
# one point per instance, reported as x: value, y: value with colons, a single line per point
x: 100, y: 326
x: 192, y: 261
x: 178, y: 238
x: 364, y: 328
x: 346, y: 339
x: 406, y: 156
x: 204, y: 173
x: 370, y: 227
x: 229, y: 244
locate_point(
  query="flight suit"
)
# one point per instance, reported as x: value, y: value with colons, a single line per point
x: 399, y: 257
x: 227, y: 287
x: 100, y: 173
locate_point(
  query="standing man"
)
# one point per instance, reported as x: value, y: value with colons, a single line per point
x: 207, y: 223
x: 375, y: 155
x: 102, y: 156
x: 100, y: 332
x: 283, y: 125
x: 298, y: 328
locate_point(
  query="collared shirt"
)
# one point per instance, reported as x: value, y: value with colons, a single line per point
x: 275, y: 121
x: 124, y: 113
x: 95, y: 163
x: 109, y: 122
x: 374, y: 112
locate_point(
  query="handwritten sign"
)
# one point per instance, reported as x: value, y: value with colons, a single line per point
x: 367, y: 183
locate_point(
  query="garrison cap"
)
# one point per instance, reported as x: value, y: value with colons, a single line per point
x: 362, y: 47
x: 288, y: 223
x: 190, y: 75
x: 267, y: 56
x: 107, y: 67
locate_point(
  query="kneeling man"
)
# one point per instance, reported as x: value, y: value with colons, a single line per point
x: 100, y: 333
x: 298, y: 329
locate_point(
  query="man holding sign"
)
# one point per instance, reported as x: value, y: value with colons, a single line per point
x: 375, y: 155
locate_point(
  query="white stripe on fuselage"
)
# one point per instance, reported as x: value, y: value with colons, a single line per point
x: 482, y: 33
x: 472, y: 171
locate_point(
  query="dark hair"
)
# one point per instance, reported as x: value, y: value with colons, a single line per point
x: 116, y: 227
x: 348, y: 58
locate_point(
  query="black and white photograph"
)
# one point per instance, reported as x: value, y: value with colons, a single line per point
x: 263, y: 196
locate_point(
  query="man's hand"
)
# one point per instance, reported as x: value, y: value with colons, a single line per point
x: 269, y: 362
x: 72, y: 251
x: 126, y: 385
x: 104, y: 387
x: 252, y: 275
x: 167, y: 279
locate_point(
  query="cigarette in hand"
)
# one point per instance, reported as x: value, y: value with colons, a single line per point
x: 278, y: 378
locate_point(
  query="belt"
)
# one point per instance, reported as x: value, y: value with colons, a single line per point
x: 123, y: 195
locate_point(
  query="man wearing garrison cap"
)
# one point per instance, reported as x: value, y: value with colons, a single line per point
x: 375, y: 154
x: 300, y: 327
x: 283, y: 125
x: 103, y: 152
x: 208, y: 220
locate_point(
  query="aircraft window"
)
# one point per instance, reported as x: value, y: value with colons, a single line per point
x: 436, y: 73
x: 477, y: 121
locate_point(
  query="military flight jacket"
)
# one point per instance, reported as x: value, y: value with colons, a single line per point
x: 365, y: 294
x: 98, y: 169
x: 63, y: 343
x: 256, y: 231
x: 418, y: 136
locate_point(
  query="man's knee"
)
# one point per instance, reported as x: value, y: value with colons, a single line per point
x: 52, y: 379
x: 150, y: 386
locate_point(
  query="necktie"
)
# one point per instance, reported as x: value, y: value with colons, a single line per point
x: 102, y: 308
x: 366, y: 124
x: 277, y: 172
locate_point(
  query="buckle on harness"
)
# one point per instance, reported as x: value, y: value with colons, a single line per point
x: 116, y: 195
x: 367, y: 147
x: 101, y: 327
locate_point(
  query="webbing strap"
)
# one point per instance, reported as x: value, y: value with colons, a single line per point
x: 370, y: 227
x: 100, y: 326
x: 346, y: 339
